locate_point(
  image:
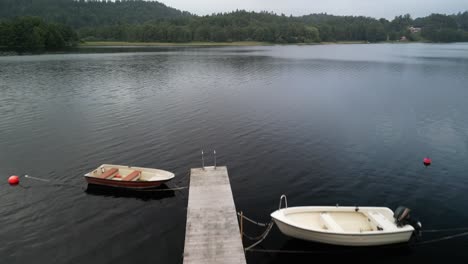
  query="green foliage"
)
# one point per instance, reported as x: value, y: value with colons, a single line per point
x: 33, y: 33
x: 444, y: 28
x: 5, y: 29
x: 443, y: 34
x: 236, y: 26
x: 151, y: 21
x: 401, y: 23
x: 347, y: 28
x: 414, y: 36
x: 90, y: 13
x: 437, y: 21
x: 462, y: 20
x: 375, y: 32
x: 393, y: 35
x: 53, y: 38
x: 28, y: 33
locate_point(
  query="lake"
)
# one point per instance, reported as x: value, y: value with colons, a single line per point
x: 323, y: 124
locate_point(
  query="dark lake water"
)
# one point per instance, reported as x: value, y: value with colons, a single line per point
x: 346, y: 124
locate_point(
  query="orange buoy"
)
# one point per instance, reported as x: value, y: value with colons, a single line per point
x: 427, y: 161
x: 13, y: 180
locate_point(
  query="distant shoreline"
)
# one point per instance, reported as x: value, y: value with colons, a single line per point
x: 123, y: 44
x: 97, y: 44
x: 168, y: 44
x: 214, y: 44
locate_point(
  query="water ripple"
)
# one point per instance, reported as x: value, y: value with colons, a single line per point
x: 345, y: 124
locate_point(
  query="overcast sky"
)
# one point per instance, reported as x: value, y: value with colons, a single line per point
x: 374, y: 8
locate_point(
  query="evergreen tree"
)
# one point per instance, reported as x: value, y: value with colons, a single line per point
x: 148, y: 21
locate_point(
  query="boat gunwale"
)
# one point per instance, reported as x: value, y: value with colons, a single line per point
x: 134, y: 185
x: 167, y: 177
x: 121, y: 181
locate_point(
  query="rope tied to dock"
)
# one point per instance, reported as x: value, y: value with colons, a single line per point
x: 251, y: 220
x: 260, y: 238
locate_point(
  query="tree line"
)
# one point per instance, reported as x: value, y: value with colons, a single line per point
x: 151, y: 21
x: 227, y: 27
x: 33, y: 33
x: 269, y: 27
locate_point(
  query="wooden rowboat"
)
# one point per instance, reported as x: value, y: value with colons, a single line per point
x: 128, y: 177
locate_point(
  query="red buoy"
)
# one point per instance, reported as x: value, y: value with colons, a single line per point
x: 427, y: 161
x: 13, y: 180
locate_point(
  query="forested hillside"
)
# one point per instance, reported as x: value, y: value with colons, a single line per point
x: 269, y: 27
x: 150, y: 21
x: 236, y: 26
x: 91, y: 13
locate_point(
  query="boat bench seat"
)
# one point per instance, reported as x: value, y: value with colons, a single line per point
x: 330, y: 223
x: 108, y: 173
x: 380, y: 220
x: 135, y: 175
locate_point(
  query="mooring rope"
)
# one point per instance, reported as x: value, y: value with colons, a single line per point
x: 251, y: 238
x: 263, y: 236
x: 252, y: 221
x: 34, y: 178
x: 441, y: 239
x: 54, y: 183
x: 259, y: 239
x: 445, y: 230
x: 177, y: 188
x: 285, y: 251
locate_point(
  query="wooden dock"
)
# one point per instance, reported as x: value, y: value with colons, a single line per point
x: 212, y: 233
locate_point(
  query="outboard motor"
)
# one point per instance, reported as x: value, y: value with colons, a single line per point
x: 402, y: 218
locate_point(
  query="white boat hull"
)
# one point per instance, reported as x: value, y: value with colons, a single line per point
x: 350, y: 228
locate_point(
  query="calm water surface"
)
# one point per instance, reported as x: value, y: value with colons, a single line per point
x: 346, y: 124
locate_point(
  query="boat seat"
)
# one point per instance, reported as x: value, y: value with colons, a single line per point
x: 108, y: 173
x: 132, y: 176
x: 381, y: 221
x: 330, y: 223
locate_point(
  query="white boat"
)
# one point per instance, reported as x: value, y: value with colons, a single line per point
x: 345, y: 225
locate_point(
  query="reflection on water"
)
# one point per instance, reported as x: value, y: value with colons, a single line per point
x: 151, y: 194
x: 297, y: 251
x: 324, y: 124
